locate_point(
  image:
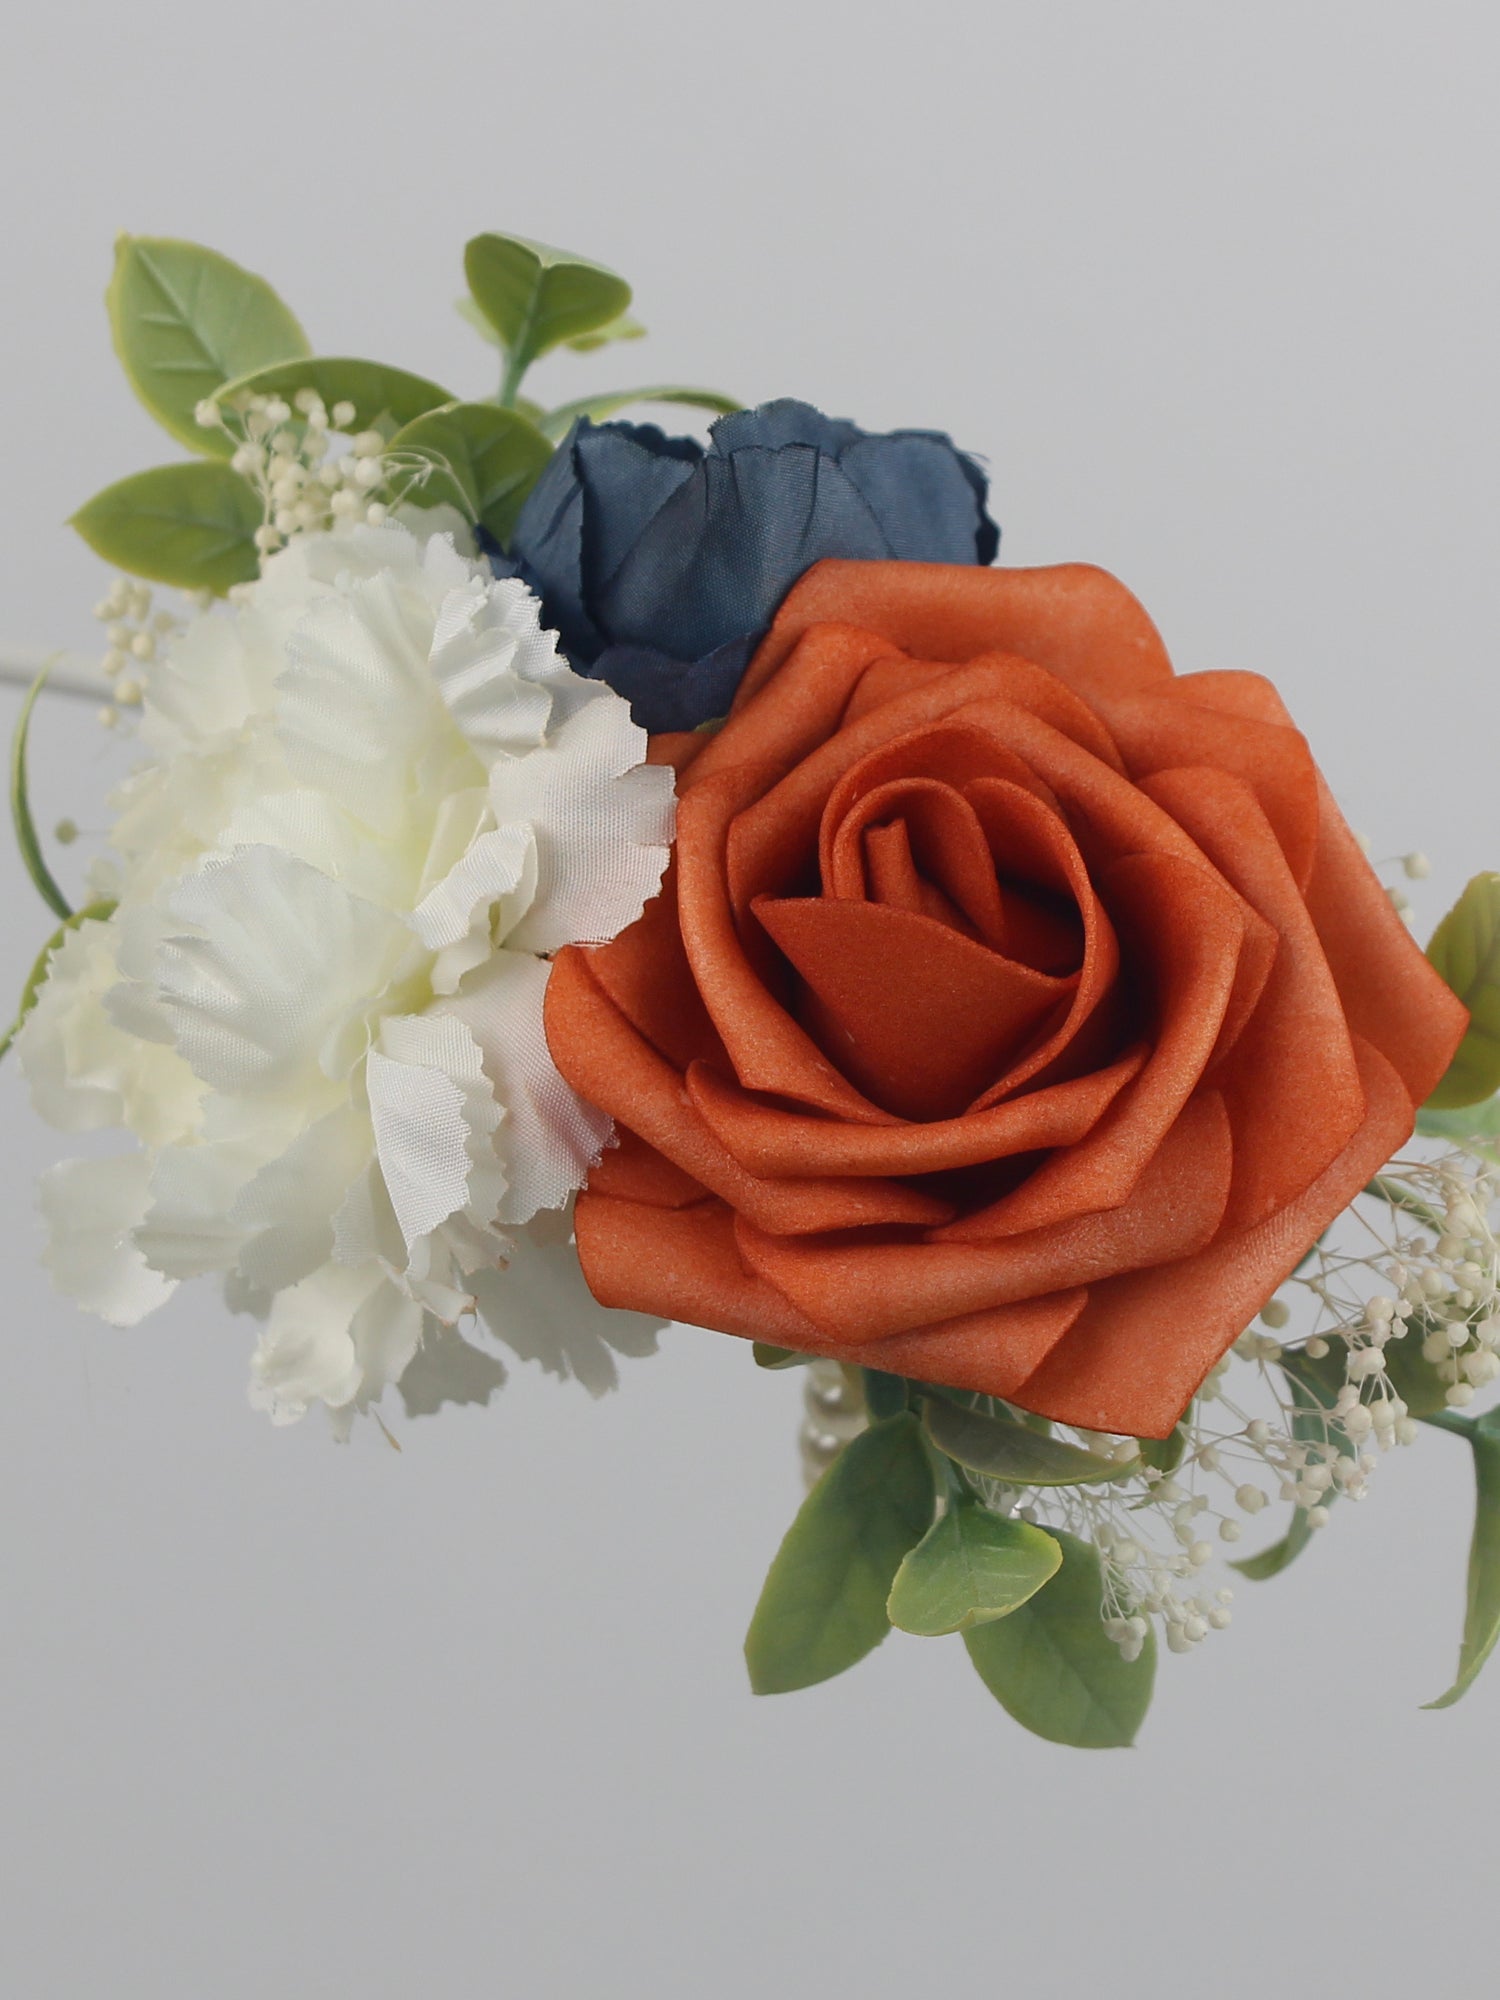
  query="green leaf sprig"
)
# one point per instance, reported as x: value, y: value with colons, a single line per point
x: 532, y: 299
x: 200, y: 338
x: 894, y: 1535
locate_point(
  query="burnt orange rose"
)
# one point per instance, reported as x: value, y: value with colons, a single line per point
x: 1017, y: 1013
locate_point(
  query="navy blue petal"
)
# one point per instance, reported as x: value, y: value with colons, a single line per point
x: 783, y: 422
x: 917, y: 487
x: 546, y: 549
x: 719, y: 557
x: 675, y: 694
x: 626, y: 483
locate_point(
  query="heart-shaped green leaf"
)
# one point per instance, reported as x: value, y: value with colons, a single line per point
x: 476, y: 457
x: 969, y: 1567
x: 383, y: 398
x: 192, y: 525
x: 186, y: 321
x: 1002, y: 1449
x: 1053, y: 1667
x: 557, y: 423
x: 1482, y: 1613
x: 1465, y: 949
x: 536, y: 297
x: 823, y: 1605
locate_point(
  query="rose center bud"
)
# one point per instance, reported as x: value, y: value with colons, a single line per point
x: 946, y: 945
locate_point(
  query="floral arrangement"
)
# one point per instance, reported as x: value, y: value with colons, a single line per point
x: 578, y: 878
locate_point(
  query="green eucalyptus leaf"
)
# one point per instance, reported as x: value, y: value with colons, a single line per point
x: 384, y: 398
x: 483, y: 460
x: 192, y: 525
x: 27, y: 840
x: 31, y: 992
x: 536, y: 297
x: 625, y: 327
x: 1482, y: 1611
x: 185, y: 321
x: 557, y: 423
x: 1051, y: 1665
x: 1475, y: 1127
x: 969, y: 1567
x: 823, y: 1605
x: 1002, y: 1449
x: 1465, y: 949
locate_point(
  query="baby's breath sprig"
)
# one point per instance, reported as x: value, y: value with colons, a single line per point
x: 1395, y: 1325
x: 311, y: 473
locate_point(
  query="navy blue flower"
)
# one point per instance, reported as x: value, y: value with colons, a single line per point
x: 661, y: 563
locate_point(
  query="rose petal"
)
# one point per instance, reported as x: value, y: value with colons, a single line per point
x: 1146, y: 1340
x: 1391, y: 995
x: 1187, y: 930
x: 1161, y: 731
x: 767, y: 1048
x: 606, y: 1061
x: 1076, y: 620
x: 861, y: 1289
x: 991, y: 676
x: 1292, y: 1083
x: 768, y: 1140
x: 920, y: 1017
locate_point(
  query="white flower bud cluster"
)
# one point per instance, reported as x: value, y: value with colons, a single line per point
x: 1452, y: 1286
x: 134, y: 633
x: 310, y: 472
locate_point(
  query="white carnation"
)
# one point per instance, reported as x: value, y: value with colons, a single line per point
x: 377, y: 798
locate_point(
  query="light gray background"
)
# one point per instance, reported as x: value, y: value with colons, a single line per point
x: 1214, y: 287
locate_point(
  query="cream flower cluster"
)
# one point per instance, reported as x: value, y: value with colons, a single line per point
x: 377, y: 799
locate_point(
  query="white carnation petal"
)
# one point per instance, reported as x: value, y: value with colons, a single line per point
x: 491, y: 661
x: 187, y: 1230
x: 307, y: 1352
x: 275, y: 982
x: 84, y: 1071
x: 91, y: 1208
x: 603, y: 824
x: 551, y: 1136
x: 386, y: 1331
x: 357, y: 683
x: 435, y: 1119
x: 543, y: 1310
x: 484, y: 896
x: 286, y: 1212
x: 300, y: 822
